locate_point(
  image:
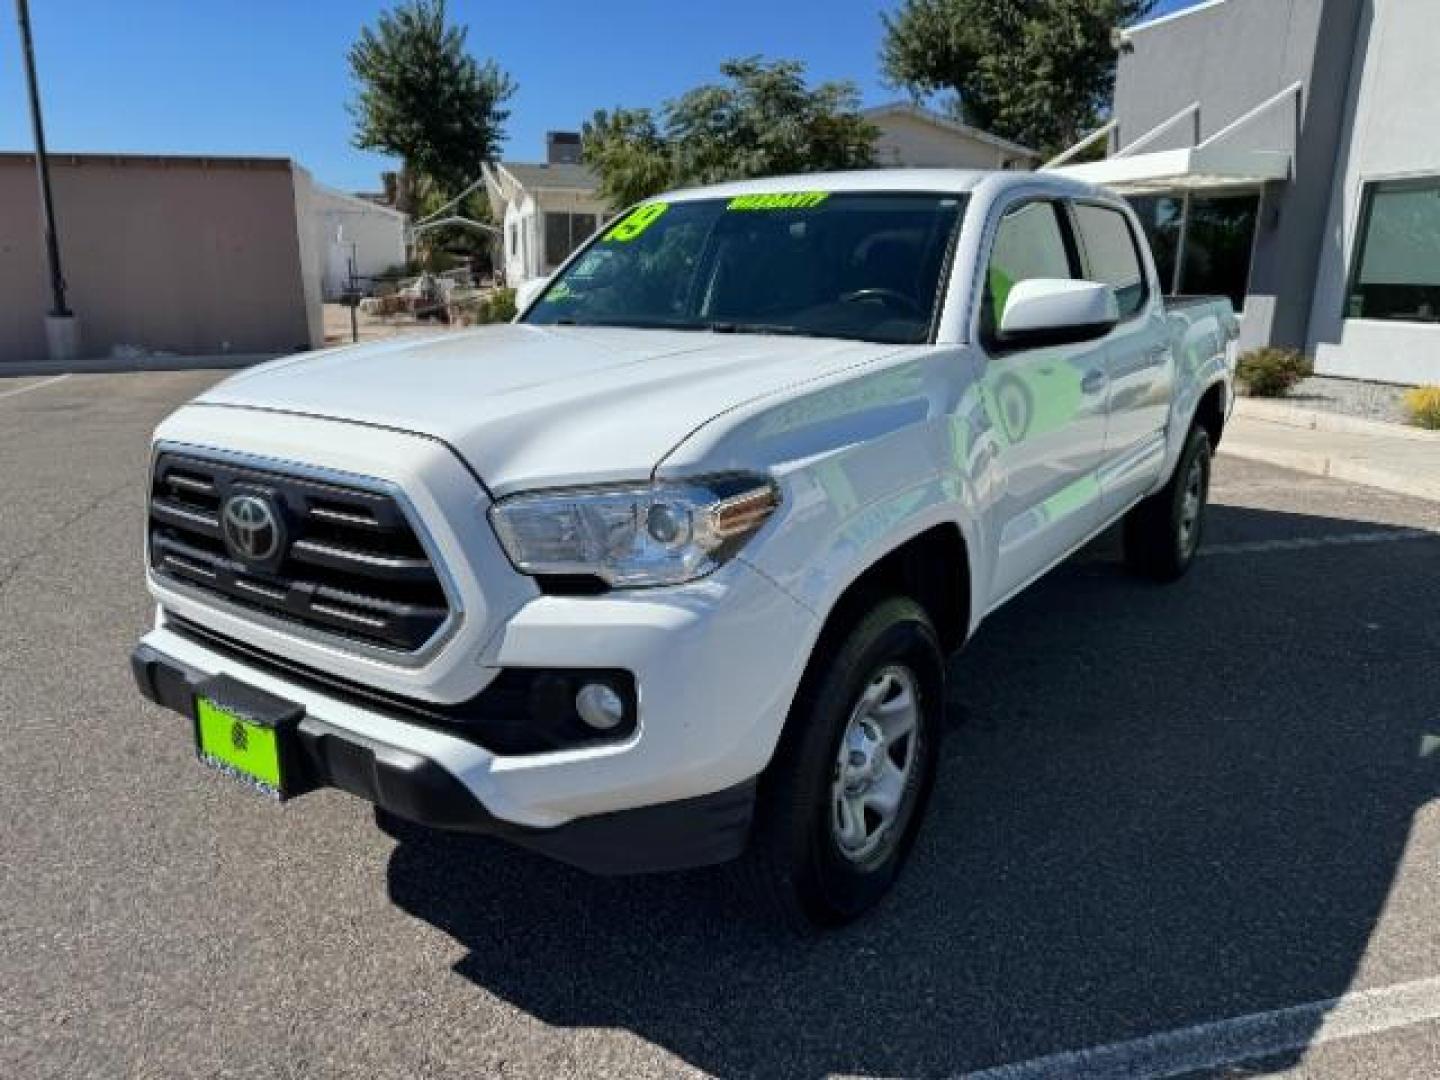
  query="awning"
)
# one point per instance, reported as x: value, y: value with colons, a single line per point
x: 1193, y: 169
x: 1247, y: 153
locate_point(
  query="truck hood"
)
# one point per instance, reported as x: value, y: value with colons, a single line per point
x: 533, y: 406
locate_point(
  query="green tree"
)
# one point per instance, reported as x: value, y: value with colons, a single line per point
x: 763, y: 120
x: 425, y: 99
x: 627, y: 151
x: 1040, y: 72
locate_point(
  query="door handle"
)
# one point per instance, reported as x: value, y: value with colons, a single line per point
x: 1159, y: 352
x: 1093, y: 382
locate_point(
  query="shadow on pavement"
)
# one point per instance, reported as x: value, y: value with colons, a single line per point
x: 1160, y: 806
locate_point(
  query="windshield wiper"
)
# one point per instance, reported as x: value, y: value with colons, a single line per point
x: 630, y: 324
x: 776, y: 329
x: 766, y: 328
x: 784, y: 330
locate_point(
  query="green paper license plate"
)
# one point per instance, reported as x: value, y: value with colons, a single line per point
x: 250, y: 752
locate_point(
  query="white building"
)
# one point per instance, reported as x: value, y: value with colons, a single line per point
x: 350, y: 231
x: 545, y: 210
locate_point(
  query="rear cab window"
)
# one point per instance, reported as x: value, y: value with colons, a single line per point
x: 1112, y: 256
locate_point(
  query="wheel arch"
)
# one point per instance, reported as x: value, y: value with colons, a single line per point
x: 932, y: 567
x: 1210, y: 412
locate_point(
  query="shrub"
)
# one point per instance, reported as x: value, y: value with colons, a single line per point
x: 1423, y: 406
x: 474, y: 308
x: 499, y: 306
x: 1271, y: 372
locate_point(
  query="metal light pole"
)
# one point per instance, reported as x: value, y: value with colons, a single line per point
x: 61, y: 329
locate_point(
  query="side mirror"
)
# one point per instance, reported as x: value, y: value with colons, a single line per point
x: 1054, y: 311
x: 527, y: 292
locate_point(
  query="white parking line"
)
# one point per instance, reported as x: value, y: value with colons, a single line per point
x: 1241, y: 1038
x: 1388, y: 536
x: 36, y: 386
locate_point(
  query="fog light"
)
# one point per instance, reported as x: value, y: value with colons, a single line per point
x: 599, y: 706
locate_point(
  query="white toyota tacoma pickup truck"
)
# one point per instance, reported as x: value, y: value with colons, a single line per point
x: 666, y: 571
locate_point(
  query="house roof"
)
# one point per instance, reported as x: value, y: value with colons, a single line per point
x: 356, y: 202
x: 538, y: 177
x: 918, y: 112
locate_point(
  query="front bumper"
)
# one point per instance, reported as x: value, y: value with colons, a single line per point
x: 670, y: 836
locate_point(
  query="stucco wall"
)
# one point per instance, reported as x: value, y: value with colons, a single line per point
x: 1392, y: 120
x: 911, y: 141
x: 1229, y: 57
x: 344, y: 224
x: 196, y: 256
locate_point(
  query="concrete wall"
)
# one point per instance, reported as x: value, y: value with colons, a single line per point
x: 312, y: 257
x: 1231, y: 57
x: 187, y: 255
x: 1394, y: 133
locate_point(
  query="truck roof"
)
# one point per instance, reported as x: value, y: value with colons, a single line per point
x: 890, y: 180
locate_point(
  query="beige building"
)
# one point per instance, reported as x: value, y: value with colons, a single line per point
x: 915, y: 137
x: 188, y: 255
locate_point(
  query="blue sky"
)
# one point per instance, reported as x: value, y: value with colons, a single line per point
x: 269, y: 76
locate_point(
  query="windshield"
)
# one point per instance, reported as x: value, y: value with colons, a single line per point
x: 860, y: 265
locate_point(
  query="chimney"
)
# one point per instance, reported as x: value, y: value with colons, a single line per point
x: 562, y: 148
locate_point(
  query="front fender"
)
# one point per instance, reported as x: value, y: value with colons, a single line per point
x: 866, y: 460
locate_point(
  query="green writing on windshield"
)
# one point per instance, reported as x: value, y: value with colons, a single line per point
x: 790, y: 200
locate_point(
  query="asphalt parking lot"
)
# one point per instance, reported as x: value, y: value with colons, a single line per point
x: 1170, y: 821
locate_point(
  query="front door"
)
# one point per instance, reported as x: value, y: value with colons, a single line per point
x: 1045, y: 410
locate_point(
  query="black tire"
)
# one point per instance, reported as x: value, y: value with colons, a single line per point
x: 1161, y: 538
x: 795, y: 860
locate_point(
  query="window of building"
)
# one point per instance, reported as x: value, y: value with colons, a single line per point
x: 1397, y: 264
x: 1218, y: 242
x: 1029, y: 243
x: 1111, y: 256
x: 564, y: 233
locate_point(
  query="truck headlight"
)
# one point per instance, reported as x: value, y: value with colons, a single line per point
x: 636, y: 534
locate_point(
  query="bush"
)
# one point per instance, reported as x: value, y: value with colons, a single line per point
x: 499, y: 306
x: 1423, y: 406
x: 475, y: 309
x: 1271, y: 372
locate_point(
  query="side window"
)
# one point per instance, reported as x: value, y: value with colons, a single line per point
x: 1111, y: 257
x: 1029, y: 243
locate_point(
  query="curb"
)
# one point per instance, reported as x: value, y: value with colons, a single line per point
x: 1336, y: 468
x: 1279, y: 412
x: 116, y: 366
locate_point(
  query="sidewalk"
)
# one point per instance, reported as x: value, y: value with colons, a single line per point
x: 1388, y: 456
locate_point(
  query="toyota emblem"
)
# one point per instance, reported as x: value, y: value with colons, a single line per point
x: 251, y: 527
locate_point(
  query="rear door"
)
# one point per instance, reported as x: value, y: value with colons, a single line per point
x: 1138, y: 359
x: 1045, y: 406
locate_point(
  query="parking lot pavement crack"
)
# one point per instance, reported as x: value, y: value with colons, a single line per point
x: 8, y: 575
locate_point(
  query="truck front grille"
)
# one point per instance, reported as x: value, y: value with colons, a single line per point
x: 340, y: 560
